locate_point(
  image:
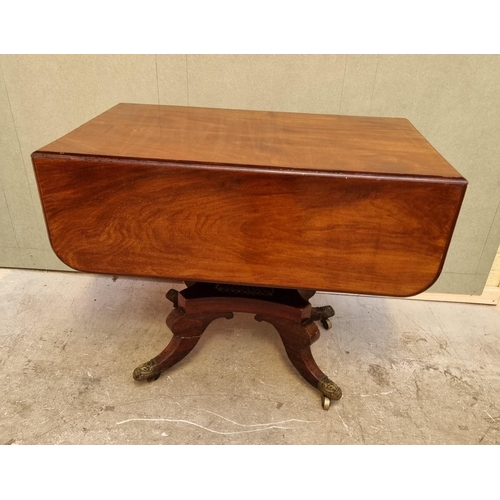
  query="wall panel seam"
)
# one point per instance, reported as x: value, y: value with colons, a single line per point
x: 373, y: 85
x: 187, y: 79
x: 343, y: 80
x: 21, y: 154
x: 10, y: 217
x: 3, y: 188
x: 157, y: 83
x: 486, y: 239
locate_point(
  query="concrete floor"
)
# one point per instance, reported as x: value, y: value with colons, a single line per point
x: 412, y: 372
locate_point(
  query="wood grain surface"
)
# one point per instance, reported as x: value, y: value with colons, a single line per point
x: 257, y: 138
x: 370, y: 234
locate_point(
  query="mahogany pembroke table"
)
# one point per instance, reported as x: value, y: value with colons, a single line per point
x: 254, y: 211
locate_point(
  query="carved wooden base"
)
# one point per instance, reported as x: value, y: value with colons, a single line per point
x: 287, y: 310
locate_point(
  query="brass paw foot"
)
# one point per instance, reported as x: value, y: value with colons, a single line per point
x: 322, y: 314
x: 329, y: 390
x: 149, y: 371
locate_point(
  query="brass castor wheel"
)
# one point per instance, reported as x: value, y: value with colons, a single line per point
x: 327, y: 324
x: 173, y: 296
x: 325, y: 402
x: 322, y: 314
